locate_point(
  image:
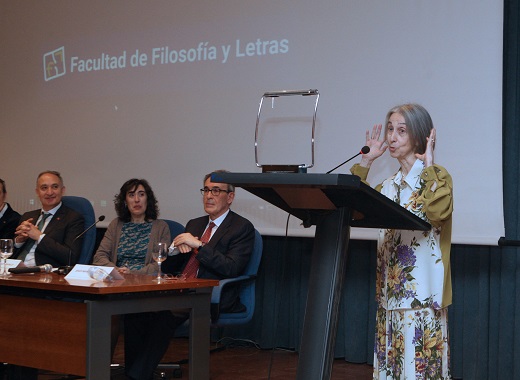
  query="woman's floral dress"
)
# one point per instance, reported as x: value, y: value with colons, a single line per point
x: 413, y: 279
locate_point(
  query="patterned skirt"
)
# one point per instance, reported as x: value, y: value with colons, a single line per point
x: 411, y: 344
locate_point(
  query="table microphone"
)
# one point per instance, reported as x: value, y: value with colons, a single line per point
x: 46, y: 268
x: 68, y: 268
x: 363, y: 150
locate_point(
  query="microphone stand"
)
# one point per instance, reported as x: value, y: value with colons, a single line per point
x: 66, y: 269
x: 363, y: 150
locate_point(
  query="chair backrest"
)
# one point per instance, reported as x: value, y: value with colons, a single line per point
x: 256, y: 256
x: 247, y: 289
x: 84, y: 207
x: 175, y: 227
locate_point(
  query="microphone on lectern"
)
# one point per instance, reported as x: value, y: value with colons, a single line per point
x: 67, y: 269
x: 363, y: 150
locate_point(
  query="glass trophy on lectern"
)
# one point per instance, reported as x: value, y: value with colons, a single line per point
x: 285, y: 128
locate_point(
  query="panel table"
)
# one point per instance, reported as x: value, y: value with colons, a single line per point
x: 48, y: 323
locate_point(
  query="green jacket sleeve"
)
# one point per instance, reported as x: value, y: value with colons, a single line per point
x: 362, y: 173
x: 437, y: 194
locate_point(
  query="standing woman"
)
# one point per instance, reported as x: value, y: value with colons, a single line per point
x: 129, y: 239
x: 413, y: 278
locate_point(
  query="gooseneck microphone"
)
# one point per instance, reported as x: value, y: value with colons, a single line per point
x: 46, y: 268
x: 363, y: 150
x: 68, y: 268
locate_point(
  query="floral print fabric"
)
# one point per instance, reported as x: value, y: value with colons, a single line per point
x: 411, y: 344
x: 410, y: 267
x: 413, y: 282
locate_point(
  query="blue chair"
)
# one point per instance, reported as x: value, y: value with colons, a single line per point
x: 246, y: 282
x: 175, y: 227
x: 84, y: 207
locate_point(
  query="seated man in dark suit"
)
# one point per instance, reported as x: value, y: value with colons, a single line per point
x: 215, y: 246
x: 47, y: 235
x: 9, y: 218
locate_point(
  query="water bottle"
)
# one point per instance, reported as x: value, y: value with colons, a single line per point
x: 99, y: 274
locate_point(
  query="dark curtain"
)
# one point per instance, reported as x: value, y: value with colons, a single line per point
x: 485, y: 315
x: 511, y: 117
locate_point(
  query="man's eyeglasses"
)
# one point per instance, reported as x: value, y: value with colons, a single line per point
x: 215, y: 191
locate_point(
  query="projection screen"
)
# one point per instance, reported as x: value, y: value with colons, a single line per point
x: 104, y: 91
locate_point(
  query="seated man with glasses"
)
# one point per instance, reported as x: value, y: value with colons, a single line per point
x: 215, y: 246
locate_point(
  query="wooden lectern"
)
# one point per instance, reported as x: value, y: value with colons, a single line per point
x: 334, y: 203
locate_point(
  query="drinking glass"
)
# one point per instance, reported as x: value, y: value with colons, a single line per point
x: 159, y: 254
x: 6, y: 250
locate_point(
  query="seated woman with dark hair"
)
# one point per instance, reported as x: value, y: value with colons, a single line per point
x: 129, y: 239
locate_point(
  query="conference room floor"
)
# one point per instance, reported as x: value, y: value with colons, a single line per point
x: 239, y: 362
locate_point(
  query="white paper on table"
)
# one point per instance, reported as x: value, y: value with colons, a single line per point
x: 80, y: 273
x: 11, y: 263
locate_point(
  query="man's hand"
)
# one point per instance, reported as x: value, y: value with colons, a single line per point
x: 24, y: 231
x: 185, y: 242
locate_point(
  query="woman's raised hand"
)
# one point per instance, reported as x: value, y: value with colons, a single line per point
x: 427, y: 157
x: 377, y: 147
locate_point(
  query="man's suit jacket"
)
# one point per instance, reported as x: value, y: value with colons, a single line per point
x: 225, y: 255
x: 56, y: 245
x: 8, y: 223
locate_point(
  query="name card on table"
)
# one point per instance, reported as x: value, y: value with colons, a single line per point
x: 11, y: 263
x: 82, y: 274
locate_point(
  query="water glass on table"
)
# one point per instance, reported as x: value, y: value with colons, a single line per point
x: 6, y: 250
x: 159, y: 254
